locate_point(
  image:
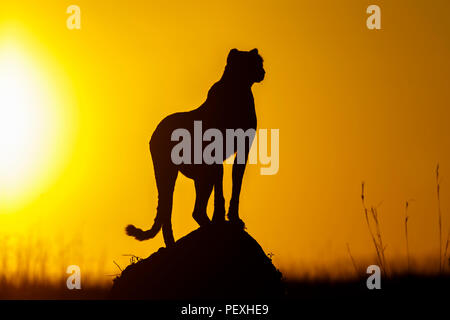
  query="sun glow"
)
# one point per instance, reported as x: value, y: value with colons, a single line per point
x: 31, y: 128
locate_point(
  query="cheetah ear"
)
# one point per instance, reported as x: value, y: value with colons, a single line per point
x: 254, y: 51
x: 232, y: 54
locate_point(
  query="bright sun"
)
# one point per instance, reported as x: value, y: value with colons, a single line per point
x: 30, y: 128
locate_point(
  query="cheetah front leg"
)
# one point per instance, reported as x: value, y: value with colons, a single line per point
x: 237, y: 175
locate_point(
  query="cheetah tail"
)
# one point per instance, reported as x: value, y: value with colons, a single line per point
x: 140, y: 234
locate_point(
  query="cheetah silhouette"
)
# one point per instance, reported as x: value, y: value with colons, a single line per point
x: 229, y: 105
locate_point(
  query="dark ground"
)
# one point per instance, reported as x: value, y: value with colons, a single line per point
x: 214, y: 262
x: 224, y: 263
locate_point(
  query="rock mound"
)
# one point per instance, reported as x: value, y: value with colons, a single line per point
x: 214, y: 262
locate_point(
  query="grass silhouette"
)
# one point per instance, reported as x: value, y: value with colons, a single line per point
x: 24, y: 265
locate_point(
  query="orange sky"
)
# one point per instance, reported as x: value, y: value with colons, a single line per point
x: 351, y: 104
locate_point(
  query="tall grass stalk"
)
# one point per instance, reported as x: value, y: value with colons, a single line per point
x: 377, y: 246
x: 353, y: 260
x: 439, y: 216
x: 382, y: 248
x: 446, y: 251
x: 406, y: 235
